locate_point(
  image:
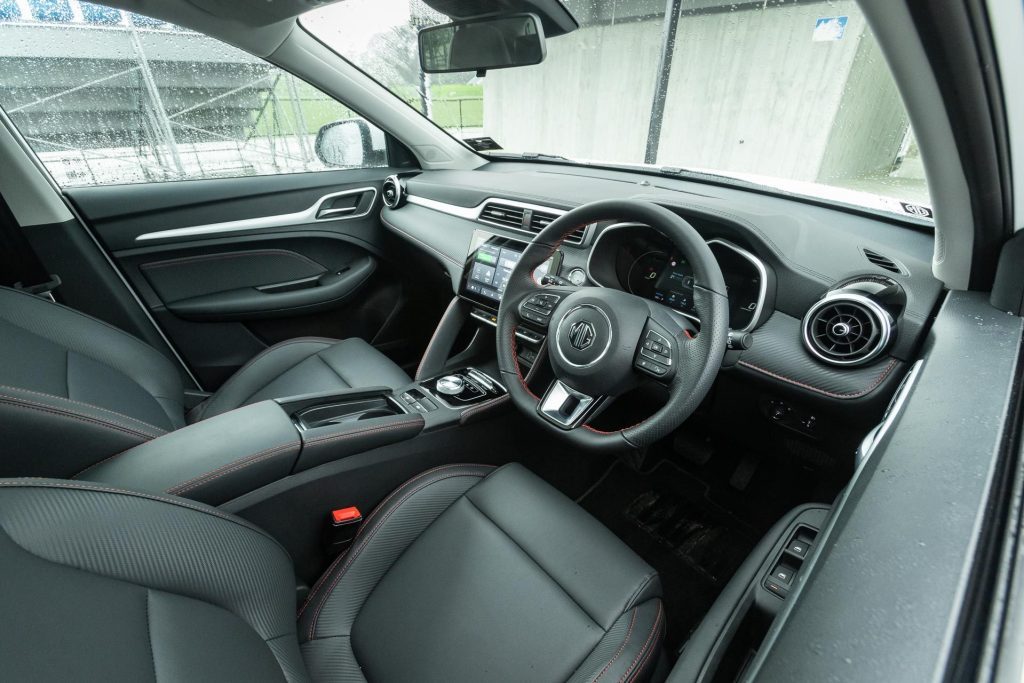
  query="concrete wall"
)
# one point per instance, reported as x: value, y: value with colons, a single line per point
x: 749, y: 92
x: 580, y: 115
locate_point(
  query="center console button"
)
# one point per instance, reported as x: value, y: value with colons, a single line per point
x: 450, y: 385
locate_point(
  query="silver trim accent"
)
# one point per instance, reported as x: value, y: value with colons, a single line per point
x: 484, y: 319
x: 472, y: 213
x: 557, y: 394
x: 761, y: 268
x: 884, y: 320
x: 472, y: 372
x: 874, y: 437
x: 283, y: 220
x: 607, y: 344
x: 398, y: 191
x: 758, y: 263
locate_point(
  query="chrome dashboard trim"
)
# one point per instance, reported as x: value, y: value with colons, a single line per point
x: 757, y: 262
x: 472, y: 213
x: 761, y: 268
x: 283, y: 220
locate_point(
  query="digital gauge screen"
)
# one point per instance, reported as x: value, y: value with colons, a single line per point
x: 666, y: 277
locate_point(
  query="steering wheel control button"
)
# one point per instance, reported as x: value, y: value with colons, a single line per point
x: 651, y: 367
x: 450, y: 385
x: 539, y: 307
x: 656, y: 356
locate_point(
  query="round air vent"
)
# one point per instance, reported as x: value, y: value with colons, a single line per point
x: 394, y: 195
x: 847, y: 328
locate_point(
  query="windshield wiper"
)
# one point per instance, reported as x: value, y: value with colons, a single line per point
x: 533, y: 155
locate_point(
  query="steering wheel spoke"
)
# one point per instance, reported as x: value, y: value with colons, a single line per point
x: 567, y: 408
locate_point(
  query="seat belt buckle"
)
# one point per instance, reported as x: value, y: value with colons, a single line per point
x: 341, y: 529
x: 43, y: 289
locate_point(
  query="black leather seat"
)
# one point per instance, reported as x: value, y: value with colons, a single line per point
x: 74, y: 390
x: 462, y: 574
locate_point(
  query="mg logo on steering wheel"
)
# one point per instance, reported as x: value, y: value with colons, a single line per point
x: 581, y: 335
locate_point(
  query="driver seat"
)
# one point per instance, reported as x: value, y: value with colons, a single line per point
x: 464, y: 573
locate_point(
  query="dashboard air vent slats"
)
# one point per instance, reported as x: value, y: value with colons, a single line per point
x: 525, y: 219
x: 884, y: 262
x: 503, y: 214
x: 847, y: 328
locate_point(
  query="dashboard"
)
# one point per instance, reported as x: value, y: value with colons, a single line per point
x: 784, y: 262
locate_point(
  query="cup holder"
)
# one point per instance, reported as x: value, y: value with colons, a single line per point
x: 370, y: 414
x: 345, y: 411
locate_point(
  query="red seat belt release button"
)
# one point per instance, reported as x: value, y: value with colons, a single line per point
x: 344, y: 516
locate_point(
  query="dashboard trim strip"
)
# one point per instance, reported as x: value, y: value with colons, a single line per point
x: 283, y: 220
x: 473, y: 213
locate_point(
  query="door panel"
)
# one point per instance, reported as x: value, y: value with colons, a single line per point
x: 230, y: 266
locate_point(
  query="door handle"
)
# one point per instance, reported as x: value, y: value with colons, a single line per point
x: 344, y: 205
x: 327, y: 213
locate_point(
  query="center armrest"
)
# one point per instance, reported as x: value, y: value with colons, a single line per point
x: 211, y: 461
x: 236, y: 452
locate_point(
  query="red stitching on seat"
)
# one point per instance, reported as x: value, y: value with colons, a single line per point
x: 60, y: 412
x: 230, y: 467
x: 825, y: 392
x: 351, y: 556
x: 633, y: 668
x: 159, y: 430
x: 621, y: 647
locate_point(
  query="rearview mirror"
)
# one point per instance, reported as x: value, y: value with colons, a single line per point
x: 482, y: 44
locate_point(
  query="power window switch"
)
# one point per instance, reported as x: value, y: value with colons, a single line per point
x: 798, y: 547
x: 782, y: 574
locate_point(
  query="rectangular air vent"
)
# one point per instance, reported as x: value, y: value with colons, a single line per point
x: 884, y: 262
x: 523, y: 219
x: 503, y: 214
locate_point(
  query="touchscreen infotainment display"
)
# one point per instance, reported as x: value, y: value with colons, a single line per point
x: 489, y: 266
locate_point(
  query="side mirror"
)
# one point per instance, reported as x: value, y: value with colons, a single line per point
x: 346, y: 144
x: 482, y: 44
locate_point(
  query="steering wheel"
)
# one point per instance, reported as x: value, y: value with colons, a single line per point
x: 604, y: 342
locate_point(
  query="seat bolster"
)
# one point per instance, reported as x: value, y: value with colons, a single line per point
x: 261, y: 369
x: 95, y: 339
x: 168, y: 544
x: 335, y: 600
x: 52, y: 436
x: 303, y: 366
x: 629, y: 650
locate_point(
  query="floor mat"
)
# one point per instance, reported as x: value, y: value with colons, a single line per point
x: 667, y: 517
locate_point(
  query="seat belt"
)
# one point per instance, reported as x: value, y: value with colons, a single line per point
x: 20, y: 266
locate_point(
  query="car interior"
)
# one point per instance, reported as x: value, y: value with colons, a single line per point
x: 453, y: 413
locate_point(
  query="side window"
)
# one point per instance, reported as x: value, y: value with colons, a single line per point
x: 110, y: 97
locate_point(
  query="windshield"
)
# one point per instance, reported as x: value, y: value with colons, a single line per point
x: 794, y: 96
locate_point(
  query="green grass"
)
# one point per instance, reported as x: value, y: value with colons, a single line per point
x: 454, y: 104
